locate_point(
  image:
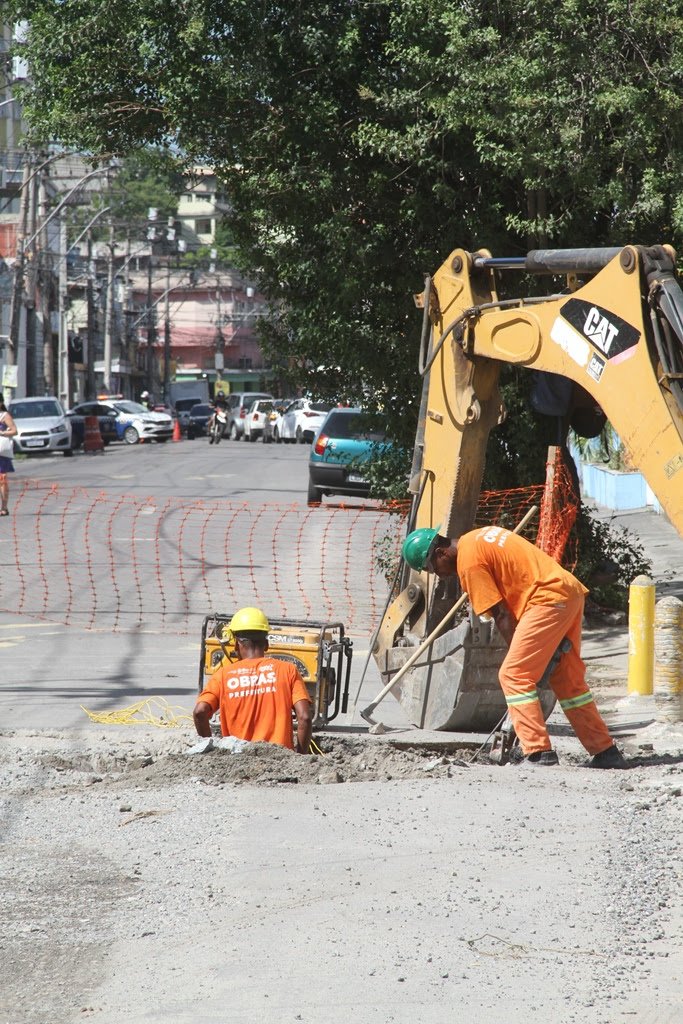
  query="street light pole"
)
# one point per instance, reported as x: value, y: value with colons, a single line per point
x: 90, y: 328
x: 63, y: 390
x: 109, y: 315
x: 151, y: 328
x: 17, y: 290
x: 167, y: 335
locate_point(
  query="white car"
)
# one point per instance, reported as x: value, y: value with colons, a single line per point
x: 42, y: 425
x: 135, y: 422
x: 260, y: 415
x: 300, y: 421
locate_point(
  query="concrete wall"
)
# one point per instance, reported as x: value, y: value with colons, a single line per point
x: 614, y: 489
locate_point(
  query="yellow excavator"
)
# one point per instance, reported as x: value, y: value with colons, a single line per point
x: 614, y: 332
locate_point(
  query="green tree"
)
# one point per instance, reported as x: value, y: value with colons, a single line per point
x: 147, y: 178
x: 360, y: 141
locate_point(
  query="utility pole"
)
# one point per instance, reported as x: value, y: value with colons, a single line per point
x: 44, y: 303
x: 63, y: 385
x: 109, y: 314
x: 31, y: 286
x: 90, y: 314
x: 219, y: 359
x: 12, y: 354
x: 167, y: 334
x: 151, y: 329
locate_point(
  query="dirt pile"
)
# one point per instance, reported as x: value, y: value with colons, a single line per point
x: 162, y: 761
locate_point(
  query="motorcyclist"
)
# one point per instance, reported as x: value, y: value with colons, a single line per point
x: 219, y: 404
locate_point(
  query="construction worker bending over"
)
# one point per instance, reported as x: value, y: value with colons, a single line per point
x: 256, y: 694
x: 535, y: 604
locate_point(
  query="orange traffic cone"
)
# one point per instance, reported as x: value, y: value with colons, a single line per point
x: 92, y: 441
x: 177, y: 436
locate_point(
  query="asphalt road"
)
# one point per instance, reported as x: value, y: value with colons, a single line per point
x: 49, y: 669
x: 186, y: 469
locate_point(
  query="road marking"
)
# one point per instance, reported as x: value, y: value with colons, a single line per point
x: 14, y: 641
x: 31, y: 625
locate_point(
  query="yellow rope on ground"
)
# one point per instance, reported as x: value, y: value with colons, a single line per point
x: 315, y: 749
x: 142, y: 714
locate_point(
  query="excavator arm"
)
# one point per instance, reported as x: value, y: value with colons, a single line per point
x: 616, y: 329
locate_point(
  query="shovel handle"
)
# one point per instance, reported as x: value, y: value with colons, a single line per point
x: 366, y: 713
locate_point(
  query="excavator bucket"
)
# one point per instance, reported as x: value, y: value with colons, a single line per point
x: 454, y: 686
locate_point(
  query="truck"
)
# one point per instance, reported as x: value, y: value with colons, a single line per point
x: 613, y: 330
x: 183, y: 395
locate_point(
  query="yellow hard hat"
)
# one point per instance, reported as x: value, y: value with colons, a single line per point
x: 248, y: 620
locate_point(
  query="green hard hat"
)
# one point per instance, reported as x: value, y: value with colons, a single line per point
x: 417, y: 546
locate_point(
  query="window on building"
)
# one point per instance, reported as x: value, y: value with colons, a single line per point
x: 203, y: 226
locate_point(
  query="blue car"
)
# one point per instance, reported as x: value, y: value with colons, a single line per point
x: 341, y: 446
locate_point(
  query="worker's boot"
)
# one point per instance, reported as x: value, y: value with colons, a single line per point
x: 610, y: 758
x: 542, y: 758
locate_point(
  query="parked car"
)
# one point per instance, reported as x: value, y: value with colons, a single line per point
x: 339, y: 449
x: 197, y: 419
x: 280, y: 405
x: 183, y: 408
x: 238, y: 403
x: 270, y: 428
x: 105, y: 418
x: 42, y: 425
x: 301, y: 419
x: 260, y: 414
x: 135, y: 422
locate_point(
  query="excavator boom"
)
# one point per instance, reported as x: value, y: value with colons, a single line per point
x: 616, y: 330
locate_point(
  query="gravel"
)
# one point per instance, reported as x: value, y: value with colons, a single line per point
x: 370, y: 884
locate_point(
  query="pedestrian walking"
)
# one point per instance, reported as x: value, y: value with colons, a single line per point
x: 535, y: 604
x: 8, y: 430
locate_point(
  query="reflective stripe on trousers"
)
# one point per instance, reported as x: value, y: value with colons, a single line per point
x: 537, y: 637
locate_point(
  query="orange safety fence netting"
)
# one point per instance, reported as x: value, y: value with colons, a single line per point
x: 122, y: 562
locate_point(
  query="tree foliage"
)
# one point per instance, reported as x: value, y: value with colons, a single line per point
x: 147, y: 178
x: 361, y: 141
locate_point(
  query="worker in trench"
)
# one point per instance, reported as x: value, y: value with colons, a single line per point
x: 256, y: 694
x: 535, y: 604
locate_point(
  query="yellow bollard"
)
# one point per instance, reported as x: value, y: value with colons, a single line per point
x: 668, y: 674
x: 641, y: 631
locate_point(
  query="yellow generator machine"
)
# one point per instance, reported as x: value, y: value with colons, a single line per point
x: 320, y: 651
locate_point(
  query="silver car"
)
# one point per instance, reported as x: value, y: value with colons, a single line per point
x: 238, y: 404
x: 42, y: 425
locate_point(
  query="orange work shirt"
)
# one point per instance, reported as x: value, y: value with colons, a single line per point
x: 497, y: 565
x: 256, y: 697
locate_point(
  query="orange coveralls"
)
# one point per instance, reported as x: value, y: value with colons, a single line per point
x: 546, y: 601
